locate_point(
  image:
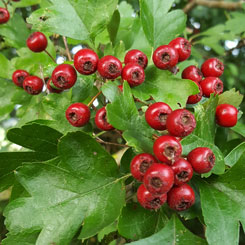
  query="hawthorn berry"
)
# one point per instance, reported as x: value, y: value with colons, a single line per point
x: 183, y: 171
x: 64, y: 76
x: 180, y: 123
x: 140, y: 163
x: 212, y: 68
x: 136, y: 56
x: 165, y: 57
x: 182, y: 46
x: 51, y: 88
x: 159, y: 178
x: 167, y: 149
x: 86, y: 61
x: 193, y: 99
x: 226, y: 115
x: 101, y: 120
x: 192, y: 73
x: 148, y: 200
x: 211, y: 85
x: 19, y: 76
x: 202, y: 159
x: 109, y: 67
x: 181, y: 197
x: 4, y: 15
x: 78, y: 114
x: 37, y: 42
x: 33, y: 85
x: 156, y: 115
x: 134, y: 74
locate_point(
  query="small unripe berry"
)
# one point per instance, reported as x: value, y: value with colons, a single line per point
x: 226, y: 115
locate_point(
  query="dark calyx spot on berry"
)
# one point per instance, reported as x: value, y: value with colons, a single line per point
x: 73, y: 116
x: 61, y: 81
x: 135, y: 75
x: 211, y: 159
x: 165, y: 57
x: 113, y: 69
x: 156, y: 182
x: 183, y: 175
x: 219, y: 66
x: 155, y: 203
x: 199, y: 73
x: 144, y: 166
x: 218, y: 86
x: 186, y: 120
x: 104, y: 118
x: 20, y: 79
x: 29, y: 89
x: 187, y: 46
x: 169, y: 152
x: 182, y: 205
x: 141, y: 61
x: 163, y: 118
x: 88, y: 66
x: 2, y: 15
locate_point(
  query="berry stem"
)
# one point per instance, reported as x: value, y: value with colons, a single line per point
x: 94, y: 98
x: 99, y: 134
x: 5, y: 4
x: 50, y: 56
x: 67, y: 49
x: 110, y: 143
x: 140, y: 101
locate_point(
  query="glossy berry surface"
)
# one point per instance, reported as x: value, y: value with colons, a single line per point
x: 37, y: 42
x: 78, y: 114
x: 51, y: 88
x: 181, y: 123
x: 159, y: 178
x: 211, y: 85
x: 167, y: 149
x: 64, y: 76
x: 193, y: 99
x: 136, y: 56
x: 192, y: 73
x: 156, y: 115
x: 4, y: 15
x: 202, y: 159
x: 181, y: 197
x: 33, y: 85
x: 101, y: 120
x: 165, y: 57
x: 19, y: 76
x: 212, y: 68
x: 134, y: 74
x: 226, y: 115
x: 182, y: 46
x: 183, y: 171
x: 86, y: 61
x: 140, y: 163
x: 109, y: 67
x: 148, y: 200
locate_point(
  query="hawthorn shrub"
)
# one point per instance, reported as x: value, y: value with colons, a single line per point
x: 134, y: 82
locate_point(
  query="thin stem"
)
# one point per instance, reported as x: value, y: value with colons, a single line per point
x: 50, y: 56
x: 99, y: 134
x: 110, y: 143
x: 93, y: 99
x: 5, y: 4
x: 67, y: 49
x: 140, y: 101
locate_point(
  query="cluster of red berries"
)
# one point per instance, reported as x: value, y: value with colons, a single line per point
x: 4, y: 14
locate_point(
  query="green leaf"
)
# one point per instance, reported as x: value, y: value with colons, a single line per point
x: 231, y: 97
x: 6, y: 68
x: 239, y: 128
x: 135, y: 222
x: 223, y: 205
x: 113, y: 26
x: 21, y: 239
x: 159, y: 26
x: 25, y: 3
x: 165, y: 87
x: 84, y: 189
x: 232, y: 158
x: 173, y: 233
x: 123, y: 115
x: 110, y: 91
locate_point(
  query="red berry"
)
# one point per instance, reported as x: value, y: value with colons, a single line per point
x: 51, y: 88
x: 181, y: 197
x: 202, y: 159
x: 33, y: 85
x: 211, y: 85
x: 19, y: 76
x: 64, y: 76
x: 148, y: 200
x: 134, y: 74
x: 193, y: 73
x: 183, y: 171
x: 140, y: 163
x: 78, y: 114
x: 182, y: 46
x: 156, y: 115
x: 109, y: 67
x: 4, y: 15
x: 136, y: 56
x: 120, y: 87
x: 86, y: 61
x: 193, y: 99
x: 101, y: 120
x: 37, y: 42
x: 159, y: 178
x: 212, y: 68
x: 226, y: 115
x: 180, y: 123
x: 167, y: 149
x: 165, y: 57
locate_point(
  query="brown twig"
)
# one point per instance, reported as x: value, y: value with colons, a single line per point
x: 52, y: 58
x: 67, y: 49
x: 93, y: 99
x: 110, y: 143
